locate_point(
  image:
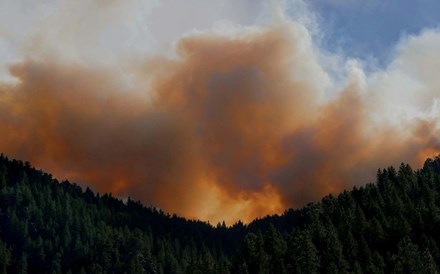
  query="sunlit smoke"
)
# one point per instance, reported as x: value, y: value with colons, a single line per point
x: 235, y: 124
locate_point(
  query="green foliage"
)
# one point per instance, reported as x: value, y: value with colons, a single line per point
x: 392, y: 226
x: 303, y: 254
x: 52, y: 227
x: 5, y: 257
x: 407, y: 259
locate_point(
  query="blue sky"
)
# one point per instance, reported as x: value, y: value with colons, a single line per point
x: 372, y: 28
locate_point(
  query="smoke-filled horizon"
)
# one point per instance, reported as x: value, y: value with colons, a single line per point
x: 234, y: 124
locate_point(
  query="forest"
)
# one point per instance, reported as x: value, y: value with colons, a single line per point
x: 389, y: 226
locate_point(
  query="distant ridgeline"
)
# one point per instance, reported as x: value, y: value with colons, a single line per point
x: 51, y: 227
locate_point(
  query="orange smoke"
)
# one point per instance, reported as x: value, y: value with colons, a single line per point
x: 232, y: 128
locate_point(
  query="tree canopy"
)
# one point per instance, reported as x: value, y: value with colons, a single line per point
x: 390, y: 226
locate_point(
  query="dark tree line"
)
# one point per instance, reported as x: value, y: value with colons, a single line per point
x: 391, y: 226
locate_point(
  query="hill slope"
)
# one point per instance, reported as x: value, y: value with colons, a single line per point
x: 52, y: 227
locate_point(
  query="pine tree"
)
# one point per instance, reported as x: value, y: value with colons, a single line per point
x: 23, y: 264
x: 428, y: 262
x: 3, y: 174
x: 252, y: 257
x: 5, y: 257
x: 333, y: 260
x: 303, y: 253
x: 408, y: 259
x: 275, y: 247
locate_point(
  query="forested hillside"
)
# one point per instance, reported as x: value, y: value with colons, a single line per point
x: 390, y: 226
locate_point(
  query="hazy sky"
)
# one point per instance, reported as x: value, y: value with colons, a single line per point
x: 100, y: 31
x: 219, y: 110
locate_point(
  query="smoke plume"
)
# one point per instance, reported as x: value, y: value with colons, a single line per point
x: 234, y: 125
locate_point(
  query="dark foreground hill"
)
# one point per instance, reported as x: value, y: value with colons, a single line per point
x: 52, y: 227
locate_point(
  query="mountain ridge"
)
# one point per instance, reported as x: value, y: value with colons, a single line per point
x: 56, y: 227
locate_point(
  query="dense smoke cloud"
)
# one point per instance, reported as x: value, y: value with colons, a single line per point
x: 236, y: 125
